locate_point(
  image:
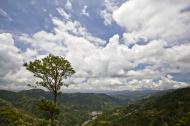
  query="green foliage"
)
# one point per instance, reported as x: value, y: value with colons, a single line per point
x: 10, y: 116
x: 168, y: 110
x: 4, y: 103
x: 74, y: 107
x: 185, y: 120
x: 51, y: 70
x: 48, y: 106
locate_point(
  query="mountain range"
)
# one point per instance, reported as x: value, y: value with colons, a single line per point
x: 123, y: 108
x: 171, y: 108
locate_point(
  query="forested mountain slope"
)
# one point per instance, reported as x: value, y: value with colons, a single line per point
x: 74, y: 107
x: 170, y: 109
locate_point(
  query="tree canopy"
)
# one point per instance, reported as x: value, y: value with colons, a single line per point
x: 51, y: 70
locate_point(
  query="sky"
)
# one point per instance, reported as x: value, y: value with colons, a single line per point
x: 111, y: 44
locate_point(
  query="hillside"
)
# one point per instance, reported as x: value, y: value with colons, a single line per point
x: 154, y: 108
x: 170, y: 109
x: 132, y: 96
x: 75, y: 107
x: 11, y: 116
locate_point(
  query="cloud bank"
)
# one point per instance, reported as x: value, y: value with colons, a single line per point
x: 154, y: 45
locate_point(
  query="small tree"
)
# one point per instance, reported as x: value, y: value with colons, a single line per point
x: 48, y: 106
x: 51, y: 71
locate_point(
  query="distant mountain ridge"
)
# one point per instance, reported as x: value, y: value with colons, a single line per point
x: 128, y: 96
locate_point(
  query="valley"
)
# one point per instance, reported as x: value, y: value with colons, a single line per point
x: 142, y: 108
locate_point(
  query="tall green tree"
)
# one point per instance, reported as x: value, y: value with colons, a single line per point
x: 51, y: 71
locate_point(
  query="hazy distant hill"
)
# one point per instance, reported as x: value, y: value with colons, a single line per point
x: 170, y: 109
x: 132, y: 96
x: 83, y: 99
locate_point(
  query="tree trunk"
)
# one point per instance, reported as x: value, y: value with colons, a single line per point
x: 53, y: 113
x: 55, y: 99
x: 52, y: 119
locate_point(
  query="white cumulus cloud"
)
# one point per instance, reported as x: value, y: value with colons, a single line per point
x: 154, y: 45
x: 84, y: 11
x: 155, y: 19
